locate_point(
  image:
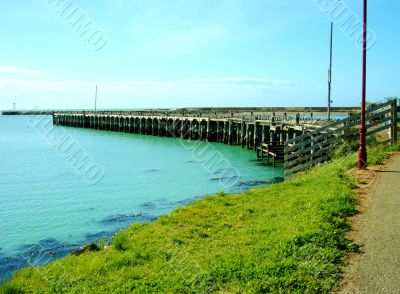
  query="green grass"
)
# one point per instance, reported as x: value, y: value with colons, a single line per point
x: 286, y: 238
x: 8, y: 288
x: 379, y: 153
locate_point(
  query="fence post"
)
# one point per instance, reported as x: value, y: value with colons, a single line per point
x: 285, y: 152
x: 394, y: 122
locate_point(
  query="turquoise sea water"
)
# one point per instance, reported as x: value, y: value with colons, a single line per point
x: 49, y: 207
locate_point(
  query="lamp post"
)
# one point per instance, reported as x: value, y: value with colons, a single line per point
x: 362, y: 152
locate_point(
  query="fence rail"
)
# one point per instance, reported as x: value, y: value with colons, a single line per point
x: 315, y: 147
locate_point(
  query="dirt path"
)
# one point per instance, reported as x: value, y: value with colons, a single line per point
x: 377, y: 229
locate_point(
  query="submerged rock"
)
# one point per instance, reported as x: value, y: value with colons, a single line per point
x: 9, y: 264
x: 34, y: 254
x: 256, y: 183
x: 252, y: 183
x: 45, y: 250
x: 126, y: 219
x: 117, y: 218
x: 187, y: 201
x: 106, y: 235
x: 277, y: 180
x: 155, y: 203
x: 152, y: 170
x: 224, y: 178
x: 87, y: 248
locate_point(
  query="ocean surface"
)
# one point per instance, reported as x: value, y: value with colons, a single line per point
x: 63, y: 187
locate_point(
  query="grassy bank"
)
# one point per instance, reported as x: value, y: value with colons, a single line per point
x: 289, y: 237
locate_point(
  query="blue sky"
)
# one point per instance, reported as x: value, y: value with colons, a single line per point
x: 191, y: 53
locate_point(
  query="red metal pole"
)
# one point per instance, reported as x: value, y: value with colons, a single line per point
x: 362, y: 152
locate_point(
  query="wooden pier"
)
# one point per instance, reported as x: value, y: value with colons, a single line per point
x: 301, y: 144
x: 248, y: 132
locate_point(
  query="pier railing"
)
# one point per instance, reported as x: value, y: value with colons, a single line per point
x: 315, y: 147
x: 300, y: 118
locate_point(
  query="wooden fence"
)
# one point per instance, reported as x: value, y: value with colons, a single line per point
x: 315, y: 147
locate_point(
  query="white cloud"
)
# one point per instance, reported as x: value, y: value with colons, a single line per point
x: 150, y: 86
x: 16, y: 70
x: 246, y: 81
x: 189, y: 92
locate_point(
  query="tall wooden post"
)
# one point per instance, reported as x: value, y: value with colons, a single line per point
x: 242, y: 132
x: 255, y: 135
x: 182, y: 128
x: 237, y: 133
x: 394, y: 122
x: 224, y: 132
x: 230, y: 134
x: 191, y: 130
x: 247, y: 135
x: 217, y: 134
x: 208, y: 130
x: 263, y: 134
x: 267, y: 134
